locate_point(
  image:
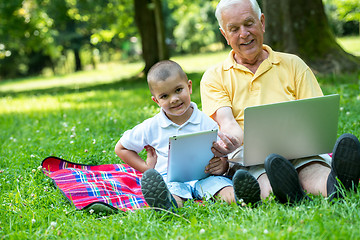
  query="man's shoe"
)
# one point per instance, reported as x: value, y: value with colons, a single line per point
x: 246, y: 188
x: 284, y: 179
x: 345, y: 166
x: 155, y: 191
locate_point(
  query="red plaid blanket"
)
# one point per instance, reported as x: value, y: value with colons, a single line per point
x: 112, y: 186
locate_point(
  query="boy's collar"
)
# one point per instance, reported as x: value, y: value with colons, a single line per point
x: 194, y: 118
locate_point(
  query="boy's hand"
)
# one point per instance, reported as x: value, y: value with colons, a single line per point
x: 151, y: 158
x: 217, y: 166
x: 225, y: 145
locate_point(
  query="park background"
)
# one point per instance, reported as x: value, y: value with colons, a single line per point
x: 72, y: 80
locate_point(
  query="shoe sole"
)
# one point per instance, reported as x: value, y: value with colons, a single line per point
x: 346, y: 160
x: 155, y: 191
x: 246, y: 187
x: 284, y: 179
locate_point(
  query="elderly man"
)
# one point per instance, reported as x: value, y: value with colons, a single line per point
x: 254, y: 74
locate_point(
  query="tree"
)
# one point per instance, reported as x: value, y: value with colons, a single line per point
x: 88, y: 22
x: 149, y: 20
x: 26, y: 41
x: 70, y: 38
x: 301, y: 27
x: 196, y: 25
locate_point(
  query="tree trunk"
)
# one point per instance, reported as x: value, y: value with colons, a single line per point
x: 78, y: 65
x: 301, y: 27
x: 160, y: 30
x: 149, y: 20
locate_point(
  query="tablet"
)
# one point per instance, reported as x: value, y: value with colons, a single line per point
x: 189, y: 154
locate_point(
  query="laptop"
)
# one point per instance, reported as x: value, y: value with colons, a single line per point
x: 293, y: 129
x: 189, y: 154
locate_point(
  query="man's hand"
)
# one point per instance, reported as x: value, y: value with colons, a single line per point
x: 217, y: 166
x: 151, y: 158
x: 226, y: 145
x: 231, y: 134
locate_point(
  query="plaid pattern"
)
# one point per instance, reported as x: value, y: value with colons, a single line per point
x: 115, y: 185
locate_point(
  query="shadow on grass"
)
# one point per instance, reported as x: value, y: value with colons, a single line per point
x: 126, y: 83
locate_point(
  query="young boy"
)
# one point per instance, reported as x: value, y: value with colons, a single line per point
x: 171, y: 89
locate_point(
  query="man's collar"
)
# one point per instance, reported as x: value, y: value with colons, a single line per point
x: 231, y: 63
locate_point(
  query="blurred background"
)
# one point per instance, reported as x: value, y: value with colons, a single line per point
x: 56, y: 37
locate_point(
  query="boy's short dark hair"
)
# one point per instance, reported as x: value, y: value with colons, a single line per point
x: 164, y: 69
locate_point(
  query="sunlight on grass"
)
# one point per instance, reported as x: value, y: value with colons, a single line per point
x: 115, y: 71
x: 200, y: 62
x: 106, y: 73
x: 76, y: 101
x: 350, y: 44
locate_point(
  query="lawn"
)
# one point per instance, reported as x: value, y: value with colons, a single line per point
x: 81, y: 116
x: 350, y: 44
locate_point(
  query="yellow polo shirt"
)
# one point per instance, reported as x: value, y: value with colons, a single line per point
x: 280, y: 77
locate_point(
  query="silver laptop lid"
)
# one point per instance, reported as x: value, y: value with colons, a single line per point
x: 293, y: 129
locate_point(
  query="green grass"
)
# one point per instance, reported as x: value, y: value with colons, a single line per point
x: 79, y: 117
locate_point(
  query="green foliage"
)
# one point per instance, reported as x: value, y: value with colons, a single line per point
x: 39, y: 33
x: 105, y: 20
x: 46, y: 33
x: 343, y: 12
x: 26, y: 37
x: 82, y: 120
x: 348, y: 9
x: 197, y: 26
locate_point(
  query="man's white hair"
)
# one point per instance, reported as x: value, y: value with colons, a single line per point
x: 224, y: 4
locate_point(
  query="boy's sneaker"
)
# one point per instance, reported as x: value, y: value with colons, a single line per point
x: 345, y: 166
x: 284, y: 179
x: 155, y: 191
x: 246, y: 188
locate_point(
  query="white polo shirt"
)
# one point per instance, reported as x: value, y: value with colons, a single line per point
x: 156, y: 131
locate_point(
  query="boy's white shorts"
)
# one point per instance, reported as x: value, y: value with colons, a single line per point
x: 201, y: 189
